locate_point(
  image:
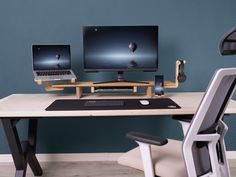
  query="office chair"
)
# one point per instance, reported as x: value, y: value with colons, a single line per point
x: 202, y: 152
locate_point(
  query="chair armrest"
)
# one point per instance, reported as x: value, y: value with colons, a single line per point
x: 145, y: 138
x: 187, y: 118
x: 183, y: 118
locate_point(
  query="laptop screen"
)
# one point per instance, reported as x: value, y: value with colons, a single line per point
x: 51, y: 57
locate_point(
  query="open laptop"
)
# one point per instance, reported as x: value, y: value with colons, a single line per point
x: 52, y: 62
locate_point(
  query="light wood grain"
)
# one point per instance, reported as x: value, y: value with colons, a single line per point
x: 48, y: 87
x: 34, y: 105
x: 79, y: 86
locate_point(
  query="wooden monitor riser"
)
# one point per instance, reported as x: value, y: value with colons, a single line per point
x: 148, y: 85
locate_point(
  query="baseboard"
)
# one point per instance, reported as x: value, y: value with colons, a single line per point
x: 76, y: 157
x: 231, y: 155
x: 69, y: 157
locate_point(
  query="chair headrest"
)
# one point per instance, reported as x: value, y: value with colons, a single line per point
x: 228, y: 43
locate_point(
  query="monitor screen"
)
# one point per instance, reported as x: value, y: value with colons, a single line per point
x: 120, y: 48
x: 51, y: 57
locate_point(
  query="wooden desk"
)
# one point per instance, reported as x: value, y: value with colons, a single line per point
x: 32, y: 107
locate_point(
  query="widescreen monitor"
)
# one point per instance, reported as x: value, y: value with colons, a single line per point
x: 120, y: 48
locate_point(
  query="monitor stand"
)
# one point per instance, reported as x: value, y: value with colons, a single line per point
x: 120, y: 78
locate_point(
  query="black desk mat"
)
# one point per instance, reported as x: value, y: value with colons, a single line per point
x: 73, y: 105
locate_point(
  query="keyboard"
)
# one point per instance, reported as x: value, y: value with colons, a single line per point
x: 53, y: 73
x: 104, y: 103
x: 113, y: 89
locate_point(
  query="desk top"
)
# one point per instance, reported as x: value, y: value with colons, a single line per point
x: 33, y: 105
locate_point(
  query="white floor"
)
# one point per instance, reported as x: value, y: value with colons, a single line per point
x: 76, y: 169
x: 85, y: 169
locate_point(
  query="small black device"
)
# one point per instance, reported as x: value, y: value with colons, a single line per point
x: 181, y: 75
x: 159, y: 85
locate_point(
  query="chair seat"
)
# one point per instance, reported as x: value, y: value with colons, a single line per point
x: 169, y: 158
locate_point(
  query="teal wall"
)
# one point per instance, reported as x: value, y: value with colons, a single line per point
x: 188, y: 29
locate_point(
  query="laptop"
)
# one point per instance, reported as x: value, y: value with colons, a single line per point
x: 52, y: 62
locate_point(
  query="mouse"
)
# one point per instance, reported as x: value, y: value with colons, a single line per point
x: 144, y: 102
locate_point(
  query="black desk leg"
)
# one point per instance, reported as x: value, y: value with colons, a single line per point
x: 32, y: 160
x: 23, y: 152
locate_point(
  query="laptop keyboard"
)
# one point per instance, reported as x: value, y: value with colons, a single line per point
x: 53, y: 73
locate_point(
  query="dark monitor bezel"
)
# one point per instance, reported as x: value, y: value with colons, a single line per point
x: 121, y: 69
